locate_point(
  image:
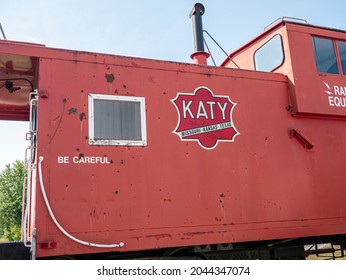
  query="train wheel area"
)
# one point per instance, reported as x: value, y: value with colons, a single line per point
x: 316, y: 248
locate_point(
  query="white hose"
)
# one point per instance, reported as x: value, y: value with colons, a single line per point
x: 116, y: 245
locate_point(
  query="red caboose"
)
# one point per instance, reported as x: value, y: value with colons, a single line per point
x: 135, y: 157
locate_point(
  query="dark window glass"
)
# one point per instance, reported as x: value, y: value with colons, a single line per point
x: 325, y: 55
x: 117, y: 120
x: 270, y: 55
x: 342, y: 53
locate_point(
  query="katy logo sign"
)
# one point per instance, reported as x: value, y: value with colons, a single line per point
x: 204, y: 117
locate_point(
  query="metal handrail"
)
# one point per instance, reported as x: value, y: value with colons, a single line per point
x: 283, y: 18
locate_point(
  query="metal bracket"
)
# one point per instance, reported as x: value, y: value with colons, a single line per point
x: 305, y: 141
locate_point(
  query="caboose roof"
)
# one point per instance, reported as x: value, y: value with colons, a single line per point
x: 275, y: 25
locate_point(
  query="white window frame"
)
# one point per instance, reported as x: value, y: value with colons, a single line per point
x: 258, y: 59
x: 115, y: 142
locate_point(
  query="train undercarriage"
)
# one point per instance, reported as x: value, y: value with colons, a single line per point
x: 321, y: 247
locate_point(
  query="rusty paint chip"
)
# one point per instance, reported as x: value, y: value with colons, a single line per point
x: 82, y: 116
x: 72, y: 111
x: 109, y: 78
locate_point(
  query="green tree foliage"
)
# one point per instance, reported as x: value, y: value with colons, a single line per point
x: 11, y: 192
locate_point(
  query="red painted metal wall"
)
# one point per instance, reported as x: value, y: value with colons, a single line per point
x: 262, y: 186
x: 312, y: 93
x: 279, y: 177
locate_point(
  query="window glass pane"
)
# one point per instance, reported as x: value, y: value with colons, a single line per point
x: 325, y: 55
x: 270, y: 55
x: 342, y: 52
x: 117, y: 120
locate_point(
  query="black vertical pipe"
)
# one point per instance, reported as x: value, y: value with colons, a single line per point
x: 196, y: 15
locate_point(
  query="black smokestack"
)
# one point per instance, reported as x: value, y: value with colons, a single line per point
x: 196, y: 15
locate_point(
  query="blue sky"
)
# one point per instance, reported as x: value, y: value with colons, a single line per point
x: 158, y: 29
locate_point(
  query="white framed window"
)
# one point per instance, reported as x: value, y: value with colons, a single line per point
x: 117, y: 120
x: 269, y: 56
